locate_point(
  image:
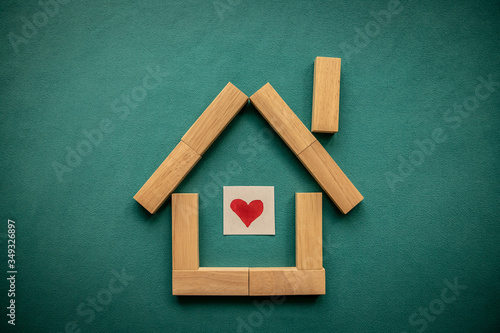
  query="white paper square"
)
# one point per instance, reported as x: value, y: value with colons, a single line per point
x: 244, y: 200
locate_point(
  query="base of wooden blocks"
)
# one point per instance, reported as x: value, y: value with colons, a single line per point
x: 286, y: 281
x: 208, y: 281
x: 244, y: 281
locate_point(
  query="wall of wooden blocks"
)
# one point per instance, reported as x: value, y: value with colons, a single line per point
x: 188, y: 279
x: 308, y: 230
x: 185, y: 222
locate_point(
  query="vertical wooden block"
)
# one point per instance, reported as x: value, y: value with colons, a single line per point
x: 282, y: 119
x: 215, y: 118
x: 211, y: 281
x: 286, y: 281
x: 326, y: 92
x: 167, y: 177
x: 329, y: 176
x: 185, y: 248
x: 308, y: 231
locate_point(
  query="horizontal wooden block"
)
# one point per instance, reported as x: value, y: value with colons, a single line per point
x: 329, y: 176
x: 308, y: 231
x: 286, y: 281
x: 185, y: 248
x: 326, y: 93
x: 167, y: 177
x: 211, y: 281
x: 215, y: 118
x: 282, y: 119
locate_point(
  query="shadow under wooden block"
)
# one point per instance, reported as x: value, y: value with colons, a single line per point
x: 330, y: 177
x: 167, y: 177
x: 211, y: 281
x: 286, y: 281
x: 308, y: 231
x: 185, y: 245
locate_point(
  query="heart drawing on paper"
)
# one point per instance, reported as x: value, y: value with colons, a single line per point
x: 247, y: 212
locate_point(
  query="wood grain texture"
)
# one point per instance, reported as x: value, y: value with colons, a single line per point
x: 308, y: 231
x: 326, y: 93
x: 330, y: 177
x: 167, y: 177
x: 282, y: 119
x: 215, y: 118
x: 211, y: 281
x: 286, y: 281
x: 185, y: 215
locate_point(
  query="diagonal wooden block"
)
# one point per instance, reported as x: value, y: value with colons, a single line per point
x: 308, y: 231
x: 282, y: 119
x: 193, y: 144
x: 215, y: 118
x: 268, y: 281
x: 326, y: 93
x: 185, y: 245
x: 167, y: 177
x: 330, y: 177
x: 211, y: 281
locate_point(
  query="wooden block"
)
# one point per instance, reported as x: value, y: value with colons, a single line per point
x: 329, y: 176
x: 308, y: 231
x: 326, y: 92
x: 185, y: 250
x: 286, y: 281
x: 282, y: 119
x: 215, y: 118
x: 211, y: 281
x: 167, y: 177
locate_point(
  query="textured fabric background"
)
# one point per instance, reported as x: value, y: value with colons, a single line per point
x: 408, y: 67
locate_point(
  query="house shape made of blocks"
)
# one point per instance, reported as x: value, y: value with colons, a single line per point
x: 308, y: 277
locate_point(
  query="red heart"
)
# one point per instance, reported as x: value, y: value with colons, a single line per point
x: 247, y: 212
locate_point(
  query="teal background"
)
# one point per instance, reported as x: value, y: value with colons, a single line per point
x: 384, y: 260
